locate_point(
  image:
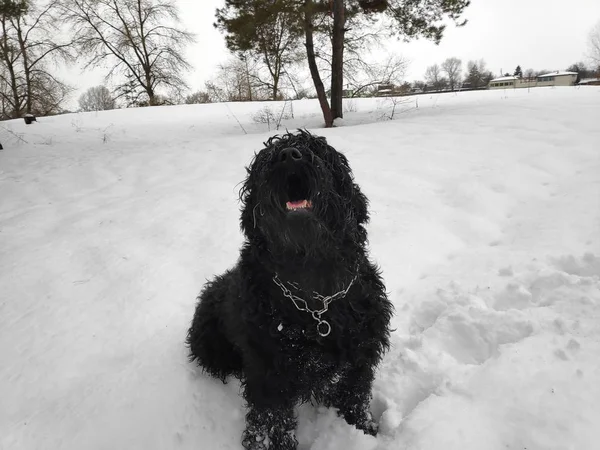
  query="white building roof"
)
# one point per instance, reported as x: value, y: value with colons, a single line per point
x: 505, y: 79
x: 589, y: 80
x: 558, y: 73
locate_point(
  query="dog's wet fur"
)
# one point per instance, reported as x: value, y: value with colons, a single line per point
x: 304, y: 219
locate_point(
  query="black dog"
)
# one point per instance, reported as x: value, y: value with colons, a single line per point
x: 304, y: 314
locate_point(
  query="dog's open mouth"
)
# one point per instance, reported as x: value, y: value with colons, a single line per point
x: 299, y: 204
x: 297, y: 193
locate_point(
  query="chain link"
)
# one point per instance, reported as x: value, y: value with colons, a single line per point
x: 323, y: 327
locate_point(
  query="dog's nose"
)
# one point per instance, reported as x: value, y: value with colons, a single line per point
x: 289, y: 155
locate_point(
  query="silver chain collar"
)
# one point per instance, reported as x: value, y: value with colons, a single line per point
x: 323, y: 327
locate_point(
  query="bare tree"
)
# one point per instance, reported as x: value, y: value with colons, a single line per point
x: 582, y: 70
x: 96, y: 98
x: 297, y: 81
x: 419, y: 86
x: 198, y: 97
x: 36, y: 34
x: 237, y: 81
x: 139, y: 39
x: 27, y: 46
x: 262, y: 77
x: 5, y: 106
x: 477, y: 74
x: 48, y: 94
x: 594, y: 44
x: 12, y: 94
x: 538, y: 73
x: 452, y: 67
x: 433, y: 76
x: 272, y: 39
x: 362, y: 75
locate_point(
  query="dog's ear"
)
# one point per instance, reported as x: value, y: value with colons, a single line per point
x: 360, y: 205
x: 248, y: 199
x: 346, y: 186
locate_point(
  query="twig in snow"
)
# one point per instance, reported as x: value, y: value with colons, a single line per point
x: 8, y: 130
x: 236, y: 119
x: 281, y: 115
x: 395, y: 101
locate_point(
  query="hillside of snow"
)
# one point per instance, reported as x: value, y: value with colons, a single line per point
x: 485, y: 214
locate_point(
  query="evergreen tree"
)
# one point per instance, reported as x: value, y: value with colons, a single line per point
x: 477, y: 74
x: 473, y: 76
x: 518, y: 72
x: 268, y: 31
x: 240, y: 20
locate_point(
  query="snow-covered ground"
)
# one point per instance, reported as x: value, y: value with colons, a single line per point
x: 485, y: 219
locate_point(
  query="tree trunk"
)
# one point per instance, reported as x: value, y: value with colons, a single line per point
x: 26, y: 68
x: 14, y: 87
x: 9, y: 62
x: 148, y: 86
x: 151, y: 96
x: 249, y: 85
x: 275, y: 72
x: 275, y: 87
x: 337, y: 59
x: 312, y: 65
x: 17, y: 112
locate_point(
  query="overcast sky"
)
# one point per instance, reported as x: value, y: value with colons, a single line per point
x: 538, y: 34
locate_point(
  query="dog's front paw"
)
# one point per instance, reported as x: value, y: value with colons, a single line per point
x: 269, y: 436
x: 362, y: 420
x: 279, y: 440
x: 369, y: 427
x: 255, y: 440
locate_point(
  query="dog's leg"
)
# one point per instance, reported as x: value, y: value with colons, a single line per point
x: 270, y: 397
x: 207, y: 339
x: 270, y: 428
x: 351, y: 395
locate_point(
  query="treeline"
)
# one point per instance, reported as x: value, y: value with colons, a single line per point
x: 280, y: 49
x: 28, y: 53
x: 140, y: 44
x: 451, y: 75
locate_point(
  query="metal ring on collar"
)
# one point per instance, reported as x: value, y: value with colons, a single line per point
x: 326, y: 331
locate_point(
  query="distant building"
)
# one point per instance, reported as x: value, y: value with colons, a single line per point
x: 589, y: 82
x: 548, y: 79
x: 384, y: 90
x: 557, y: 79
x: 503, y: 83
x: 346, y: 93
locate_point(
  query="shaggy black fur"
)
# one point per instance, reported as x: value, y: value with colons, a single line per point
x: 245, y: 327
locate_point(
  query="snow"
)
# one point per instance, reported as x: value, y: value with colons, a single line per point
x: 511, y: 78
x: 338, y: 122
x: 485, y: 216
x: 557, y: 73
x: 589, y: 80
